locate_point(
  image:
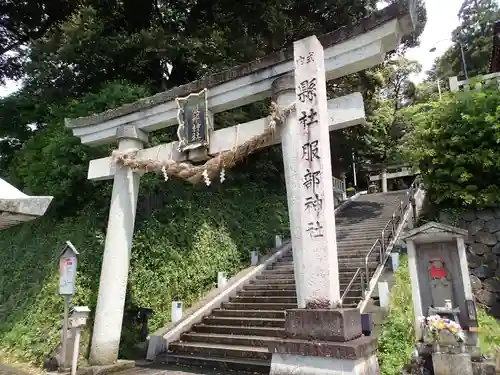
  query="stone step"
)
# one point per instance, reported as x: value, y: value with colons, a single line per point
x: 357, y: 253
x: 258, y: 306
x: 282, y: 266
x: 269, y: 278
x: 239, y: 340
x: 352, y: 301
x: 357, y: 263
x: 345, y: 273
x: 272, y: 314
x: 355, y: 291
x: 267, y: 286
x: 274, y: 283
x: 359, y: 232
x: 269, y: 275
x: 375, y: 224
x: 243, y: 321
x: 268, y: 292
x: 234, y: 364
x: 261, y: 300
x: 343, y: 253
x: 351, y: 231
x: 279, y: 271
x: 247, y: 331
x: 347, y: 252
x: 219, y: 350
x: 353, y: 240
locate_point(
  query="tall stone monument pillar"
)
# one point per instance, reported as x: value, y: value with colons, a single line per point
x: 308, y: 173
x: 319, y: 337
x: 116, y: 259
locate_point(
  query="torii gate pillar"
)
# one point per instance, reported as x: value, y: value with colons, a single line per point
x: 116, y: 258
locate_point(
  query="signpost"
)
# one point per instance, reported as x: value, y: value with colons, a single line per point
x: 67, y: 279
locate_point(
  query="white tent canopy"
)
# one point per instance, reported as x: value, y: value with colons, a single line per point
x: 17, y: 207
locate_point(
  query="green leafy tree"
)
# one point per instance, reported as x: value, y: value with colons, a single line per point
x: 455, y: 146
x: 387, y: 126
x: 475, y: 34
x: 54, y: 162
x: 23, y: 22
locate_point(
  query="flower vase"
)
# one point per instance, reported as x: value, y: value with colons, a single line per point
x: 462, y: 347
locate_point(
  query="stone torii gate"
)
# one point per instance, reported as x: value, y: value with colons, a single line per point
x: 314, y: 61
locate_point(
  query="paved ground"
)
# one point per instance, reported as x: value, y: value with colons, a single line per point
x: 174, y: 370
x: 8, y: 370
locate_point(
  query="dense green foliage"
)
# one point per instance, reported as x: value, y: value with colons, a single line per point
x: 475, y: 34
x: 184, y: 236
x: 396, y: 341
x: 382, y: 140
x: 79, y: 48
x: 489, y: 333
x: 54, y: 161
x: 455, y: 145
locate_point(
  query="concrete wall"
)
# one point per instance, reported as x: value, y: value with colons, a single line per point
x: 483, y: 253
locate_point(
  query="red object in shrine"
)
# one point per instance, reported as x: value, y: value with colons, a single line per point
x: 437, y: 270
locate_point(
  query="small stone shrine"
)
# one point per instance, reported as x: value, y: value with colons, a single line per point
x: 440, y: 278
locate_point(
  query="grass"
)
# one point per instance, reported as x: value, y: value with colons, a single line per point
x: 489, y: 332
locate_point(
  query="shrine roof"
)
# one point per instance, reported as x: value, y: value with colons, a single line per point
x: 401, y: 9
x: 433, y: 228
x: 17, y: 207
x: 69, y: 246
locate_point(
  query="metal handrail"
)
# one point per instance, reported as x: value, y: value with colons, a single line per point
x: 374, y: 246
x: 403, y: 207
x: 351, y: 283
x: 394, y: 223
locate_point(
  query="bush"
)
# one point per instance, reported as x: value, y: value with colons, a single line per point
x: 489, y: 332
x: 397, y: 339
x: 455, y: 146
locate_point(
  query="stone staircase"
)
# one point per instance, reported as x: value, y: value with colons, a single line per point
x: 236, y: 335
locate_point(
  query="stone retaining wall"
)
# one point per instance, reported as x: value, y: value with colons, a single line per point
x: 483, y: 254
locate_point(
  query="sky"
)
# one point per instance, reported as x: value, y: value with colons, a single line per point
x: 441, y: 20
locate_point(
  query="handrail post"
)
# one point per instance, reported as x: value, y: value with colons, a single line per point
x: 367, y: 273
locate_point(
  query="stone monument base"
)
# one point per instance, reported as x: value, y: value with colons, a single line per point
x: 324, y: 341
x: 456, y: 364
x: 296, y: 364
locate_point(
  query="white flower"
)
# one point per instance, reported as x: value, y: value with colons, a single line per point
x: 164, y: 171
x: 205, y: 177
x: 222, y: 175
x: 460, y: 336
